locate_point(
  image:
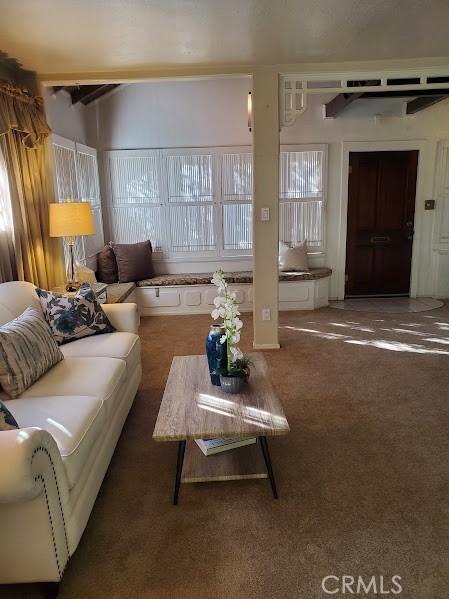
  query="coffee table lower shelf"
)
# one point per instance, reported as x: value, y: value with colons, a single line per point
x: 235, y: 464
x: 230, y: 467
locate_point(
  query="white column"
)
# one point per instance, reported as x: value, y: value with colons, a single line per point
x: 265, y: 196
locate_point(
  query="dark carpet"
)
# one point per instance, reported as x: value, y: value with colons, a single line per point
x: 363, y: 476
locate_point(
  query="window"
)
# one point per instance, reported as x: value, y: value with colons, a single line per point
x: 76, y: 178
x: 134, y: 197
x: 7, y: 259
x: 191, y: 201
x: 89, y: 191
x: 302, y: 195
x: 198, y: 201
x: 237, y: 195
x: 5, y: 200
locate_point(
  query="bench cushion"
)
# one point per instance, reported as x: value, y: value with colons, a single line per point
x: 231, y: 277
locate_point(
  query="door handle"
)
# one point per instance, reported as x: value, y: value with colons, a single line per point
x: 380, y: 239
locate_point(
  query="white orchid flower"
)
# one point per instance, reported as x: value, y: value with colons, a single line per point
x: 238, y: 323
x: 226, y: 308
x: 236, y: 354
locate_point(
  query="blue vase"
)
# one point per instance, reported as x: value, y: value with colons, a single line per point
x: 216, y: 352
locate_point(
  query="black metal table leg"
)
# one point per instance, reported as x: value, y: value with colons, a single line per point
x: 179, y: 463
x: 266, y: 456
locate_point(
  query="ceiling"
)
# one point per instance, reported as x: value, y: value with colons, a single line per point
x: 79, y: 36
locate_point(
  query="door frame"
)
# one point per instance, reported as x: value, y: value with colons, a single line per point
x: 381, y: 146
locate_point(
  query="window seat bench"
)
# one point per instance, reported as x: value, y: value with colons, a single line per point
x: 118, y: 293
x: 193, y: 293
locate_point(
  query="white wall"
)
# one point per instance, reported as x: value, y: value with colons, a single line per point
x: 67, y: 119
x: 174, y: 114
x: 359, y: 124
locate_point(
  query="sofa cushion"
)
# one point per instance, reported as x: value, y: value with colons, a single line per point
x: 7, y: 420
x: 27, y: 351
x: 75, y: 423
x: 95, y: 377
x: 74, y: 317
x: 125, y: 346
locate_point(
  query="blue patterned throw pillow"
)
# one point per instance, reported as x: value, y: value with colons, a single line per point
x: 74, y: 317
x: 7, y: 420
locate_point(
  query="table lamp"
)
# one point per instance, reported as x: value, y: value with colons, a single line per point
x: 71, y: 219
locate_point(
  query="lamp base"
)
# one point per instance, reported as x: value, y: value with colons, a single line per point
x: 72, y: 286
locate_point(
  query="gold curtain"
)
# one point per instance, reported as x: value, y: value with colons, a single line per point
x: 24, y: 142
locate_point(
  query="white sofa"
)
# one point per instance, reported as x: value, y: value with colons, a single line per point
x: 51, y: 469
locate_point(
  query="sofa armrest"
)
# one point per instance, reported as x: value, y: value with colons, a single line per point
x: 29, y: 457
x: 34, y: 507
x: 124, y: 317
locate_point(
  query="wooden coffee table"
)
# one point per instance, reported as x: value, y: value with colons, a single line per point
x: 193, y: 408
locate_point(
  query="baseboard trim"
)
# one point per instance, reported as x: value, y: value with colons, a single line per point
x: 266, y: 346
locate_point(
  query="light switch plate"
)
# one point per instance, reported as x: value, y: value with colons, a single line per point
x: 264, y: 214
x: 266, y: 314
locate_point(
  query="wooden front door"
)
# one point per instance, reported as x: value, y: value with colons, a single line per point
x: 381, y: 208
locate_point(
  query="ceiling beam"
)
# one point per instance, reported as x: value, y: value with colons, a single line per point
x: 407, y: 93
x: 88, y: 93
x: 340, y: 103
x: 414, y: 106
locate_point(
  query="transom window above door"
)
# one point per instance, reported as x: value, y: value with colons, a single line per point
x: 198, y: 201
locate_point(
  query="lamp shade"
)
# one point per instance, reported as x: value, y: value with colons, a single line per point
x: 71, y: 219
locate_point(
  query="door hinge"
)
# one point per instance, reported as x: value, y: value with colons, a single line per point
x: 350, y: 169
x: 346, y: 278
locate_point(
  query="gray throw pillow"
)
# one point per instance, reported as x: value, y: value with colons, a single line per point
x: 72, y: 318
x: 7, y: 420
x: 27, y: 351
x: 134, y: 261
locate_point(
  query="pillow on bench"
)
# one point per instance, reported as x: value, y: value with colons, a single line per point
x: 294, y: 258
x: 107, y: 271
x: 134, y: 261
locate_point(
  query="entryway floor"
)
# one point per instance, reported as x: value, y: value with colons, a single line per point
x: 391, y: 305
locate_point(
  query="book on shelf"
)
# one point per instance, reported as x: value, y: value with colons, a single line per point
x: 213, y: 446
